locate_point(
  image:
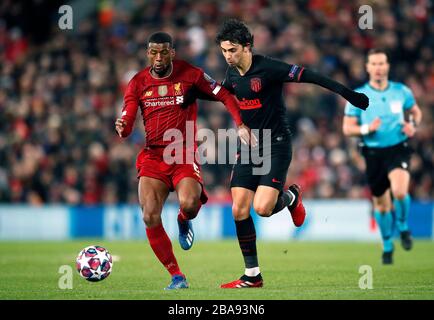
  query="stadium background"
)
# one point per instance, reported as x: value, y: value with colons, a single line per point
x: 65, y: 174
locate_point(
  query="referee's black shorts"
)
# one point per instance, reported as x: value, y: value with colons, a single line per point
x: 381, y: 161
x: 272, y: 175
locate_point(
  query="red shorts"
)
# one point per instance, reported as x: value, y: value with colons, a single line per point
x: 150, y: 163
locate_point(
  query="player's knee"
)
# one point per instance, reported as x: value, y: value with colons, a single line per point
x: 240, y: 212
x: 382, y: 208
x: 150, y: 220
x: 151, y: 216
x: 189, y: 205
x: 399, y: 193
x: 263, y: 209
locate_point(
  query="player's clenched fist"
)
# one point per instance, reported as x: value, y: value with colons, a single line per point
x: 120, y: 125
x: 375, y: 124
x: 408, y: 129
x: 246, y: 136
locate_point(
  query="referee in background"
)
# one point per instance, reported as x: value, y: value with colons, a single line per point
x: 385, y: 129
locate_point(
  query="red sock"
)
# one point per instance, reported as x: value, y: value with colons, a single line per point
x: 182, y: 216
x: 162, y: 247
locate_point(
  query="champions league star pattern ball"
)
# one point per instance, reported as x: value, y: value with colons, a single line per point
x: 94, y: 263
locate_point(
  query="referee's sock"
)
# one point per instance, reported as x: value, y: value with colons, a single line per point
x: 246, y: 234
x: 385, y: 222
x: 402, y: 208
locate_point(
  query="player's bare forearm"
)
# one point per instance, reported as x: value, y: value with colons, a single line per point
x: 357, y: 99
x: 352, y: 131
x: 416, y: 114
x: 352, y: 128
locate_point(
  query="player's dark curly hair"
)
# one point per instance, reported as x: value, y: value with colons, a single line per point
x: 234, y: 31
x: 160, y: 37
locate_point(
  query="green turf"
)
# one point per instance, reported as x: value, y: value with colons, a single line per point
x: 291, y: 270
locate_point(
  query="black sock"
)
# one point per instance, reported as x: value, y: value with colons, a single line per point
x: 251, y: 279
x: 246, y: 234
x: 283, y: 201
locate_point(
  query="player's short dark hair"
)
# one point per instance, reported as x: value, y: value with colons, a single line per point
x: 160, y: 37
x: 234, y: 31
x: 378, y: 50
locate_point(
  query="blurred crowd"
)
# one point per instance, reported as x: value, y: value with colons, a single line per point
x: 61, y: 90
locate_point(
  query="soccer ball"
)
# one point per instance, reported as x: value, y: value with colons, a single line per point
x: 94, y: 263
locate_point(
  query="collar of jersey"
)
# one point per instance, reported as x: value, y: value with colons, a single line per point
x: 377, y: 90
x: 250, y: 68
x: 171, y: 71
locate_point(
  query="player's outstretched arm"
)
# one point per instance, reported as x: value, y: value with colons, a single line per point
x: 232, y: 105
x: 244, y: 132
x: 192, y: 94
x: 124, y: 125
x: 357, y: 99
x: 211, y: 90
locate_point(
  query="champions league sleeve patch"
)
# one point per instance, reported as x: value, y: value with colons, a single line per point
x: 293, y: 71
x: 213, y: 84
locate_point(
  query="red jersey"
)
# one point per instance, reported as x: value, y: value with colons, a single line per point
x: 160, y: 101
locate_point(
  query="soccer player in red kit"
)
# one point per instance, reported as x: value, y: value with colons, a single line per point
x: 161, y: 91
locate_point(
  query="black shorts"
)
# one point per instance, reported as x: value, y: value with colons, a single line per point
x: 379, y: 163
x: 272, y: 172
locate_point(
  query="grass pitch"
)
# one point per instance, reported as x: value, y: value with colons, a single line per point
x: 291, y: 270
